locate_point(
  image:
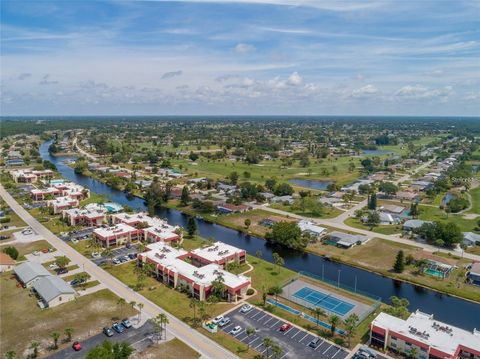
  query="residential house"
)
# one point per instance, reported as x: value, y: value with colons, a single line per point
x: 6, y: 263
x: 29, y: 272
x: 53, y: 291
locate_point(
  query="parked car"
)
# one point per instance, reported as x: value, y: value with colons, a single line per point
x: 126, y: 323
x: 314, y: 342
x: 76, y: 346
x: 36, y: 253
x: 224, y: 322
x: 128, y: 245
x: 118, y: 328
x: 217, y: 320
x: 53, y: 266
x: 108, y: 332
x: 116, y: 261
x: 132, y: 255
x: 62, y: 270
x: 236, y: 330
x: 75, y: 282
x: 364, y: 353
x: 96, y: 255
x: 246, y: 308
x: 127, y: 258
x: 285, y: 327
x: 2, y: 238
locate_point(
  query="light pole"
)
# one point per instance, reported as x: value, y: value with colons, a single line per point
x: 338, y: 281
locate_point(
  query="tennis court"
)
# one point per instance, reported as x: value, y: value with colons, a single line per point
x: 325, y: 301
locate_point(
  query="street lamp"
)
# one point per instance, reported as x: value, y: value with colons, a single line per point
x: 338, y: 281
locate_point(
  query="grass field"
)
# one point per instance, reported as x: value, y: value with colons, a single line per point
x: 378, y: 255
x: 382, y: 229
x: 23, y: 321
x: 27, y: 248
x: 272, y: 169
x: 173, y: 349
x: 327, y: 211
x: 429, y: 213
x: 475, y: 193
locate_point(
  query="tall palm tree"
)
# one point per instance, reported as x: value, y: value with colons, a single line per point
x: 68, y: 333
x: 140, y: 307
x: 351, y: 325
x: 413, y: 353
x: 334, y: 321
x: 34, y: 346
x: 317, y: 313
x: 164, y: 321
x: 132, y: 304
x: 55, y: 336
x: 193, y: 304
x: 277, y: 351
x: 267, y: 343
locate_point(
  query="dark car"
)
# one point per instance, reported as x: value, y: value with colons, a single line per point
x: 132, y: 255
x: 62, y: 270
x: 76, y: 282
x: 118, y: 328
x: 108, y: 331
x: 76, y: 346
x: 314, y: 343
x: 126, y: 323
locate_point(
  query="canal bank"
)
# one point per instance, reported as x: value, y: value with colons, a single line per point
x: 450, y: 309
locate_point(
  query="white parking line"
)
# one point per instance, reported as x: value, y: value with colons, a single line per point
x: 258, y: 346
x: 338, y: 351
x: 268, y: 321
x: 306, y: 335
x: 257, y: 313
x: 288, y: 331
x: 271, y: 326
x: 261, y: 318
x: 296, y: 334
x: 225, y: 328
x: 319, y: 345
x: 253, y: 340
x: 237, y: 334
x: 327, y: 348
x: 246, y: 336
x: 283, y: 356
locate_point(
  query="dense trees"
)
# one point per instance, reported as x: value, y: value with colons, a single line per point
x: 287, y: 234
x: 441, y: 234
x: 399, y: 264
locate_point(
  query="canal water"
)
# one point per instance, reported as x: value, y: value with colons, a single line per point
x: 313, y: 184
x: 452, y: 310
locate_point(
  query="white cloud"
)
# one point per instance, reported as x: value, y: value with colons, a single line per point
x: 418, y: 92
x: 171, y: 74
x: 367, y: 90
x: 244, y: 48
x: 295, y: 79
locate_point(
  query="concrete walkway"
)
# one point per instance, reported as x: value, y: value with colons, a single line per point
x: 199, y: 342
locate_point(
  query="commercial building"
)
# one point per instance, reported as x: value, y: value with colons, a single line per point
x: 53, y: 291
x: 171, y: 268
x: 120, y: 233
x: 423, y: 335
x: 28, y: 272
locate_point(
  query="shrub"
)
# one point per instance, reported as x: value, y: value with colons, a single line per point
x: 12, y: 252
x: 250, y: 291
x: 5, y: 220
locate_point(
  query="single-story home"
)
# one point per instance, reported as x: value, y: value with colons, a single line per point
x: 6, y: 263
x: 413, y: 224
x: 311, y: 228
x: 231, y: 208
x: 29, y: 272
x: 407, y: 195
x: 282, y: 199
x: 471, y: 239
x: 474, y: 274
x: 53, y: 291
x: 390, y: 208
x: 345, y: 240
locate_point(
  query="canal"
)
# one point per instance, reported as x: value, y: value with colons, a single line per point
x: 458, y: 312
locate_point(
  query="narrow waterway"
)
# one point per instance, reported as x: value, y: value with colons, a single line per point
x: 458, y: 312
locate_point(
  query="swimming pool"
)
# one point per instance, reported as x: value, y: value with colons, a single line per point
x: 57, y: 181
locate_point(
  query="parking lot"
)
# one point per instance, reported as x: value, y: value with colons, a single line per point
x: 294, y: 341
x: 137, y: 337
x: 117, y: 253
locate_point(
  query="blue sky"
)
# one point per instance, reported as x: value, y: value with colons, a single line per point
x: 243, y: 57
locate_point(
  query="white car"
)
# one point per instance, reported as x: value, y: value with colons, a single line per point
x: 218, y: 319
x: 53, y: 266
x: 236, y: 330
x: 246, y: 308
x: 36, y: 253
x: 96, y: 255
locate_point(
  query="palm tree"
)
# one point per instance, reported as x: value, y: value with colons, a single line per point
x: 413, y: 353
x: 277, y: 351
x: 317, y: 313
x: 34, y: 346
x: 193, y: 304
x: 68, y: 333
x: 132, y: 304
x: 108, y: 254
x: 55, y: 336
x: 10, y: 354
x: 351, y: 325
x: 334, y: 321
x: 276, y: 290
x: 267, y: 343
x: 163, y: 321
x: 249, y: 331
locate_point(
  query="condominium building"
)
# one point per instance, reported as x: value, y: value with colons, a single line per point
x: 60, y: 204
x: 85, y: 217
x: 120, y: 233
x: 219, y: 253
x: 423, y: 335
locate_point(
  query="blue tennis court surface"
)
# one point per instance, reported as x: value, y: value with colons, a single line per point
x: 325, y: 301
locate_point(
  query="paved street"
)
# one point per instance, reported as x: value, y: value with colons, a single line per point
x: 134, y: 336
x: 202, y: 344
x: 294, y: 342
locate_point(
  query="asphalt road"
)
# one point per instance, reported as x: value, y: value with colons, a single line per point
x: 133, y: 336
x: 294, y: 342
x: 199, y: 342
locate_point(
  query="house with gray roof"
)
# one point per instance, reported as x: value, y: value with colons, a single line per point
x: 413, y: 224
x: 53, y: 291
x: 29, y: 272
x: 346, y: 240
x: 471, y: 239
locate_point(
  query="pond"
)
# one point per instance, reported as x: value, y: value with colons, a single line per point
x: 376, y: 152
x: 313, y: 184
x: 448, y: 197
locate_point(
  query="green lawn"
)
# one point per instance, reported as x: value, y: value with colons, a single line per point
x: 429, y: 213
x: 382, y: 229
x: 173, y: 349
x: 27, y: 248
x: 327, y: 211
x: 475, y: 193
x: 23, y: 321
x: 94, y: 198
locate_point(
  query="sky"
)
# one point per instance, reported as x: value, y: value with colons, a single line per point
x: 244, y: 57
